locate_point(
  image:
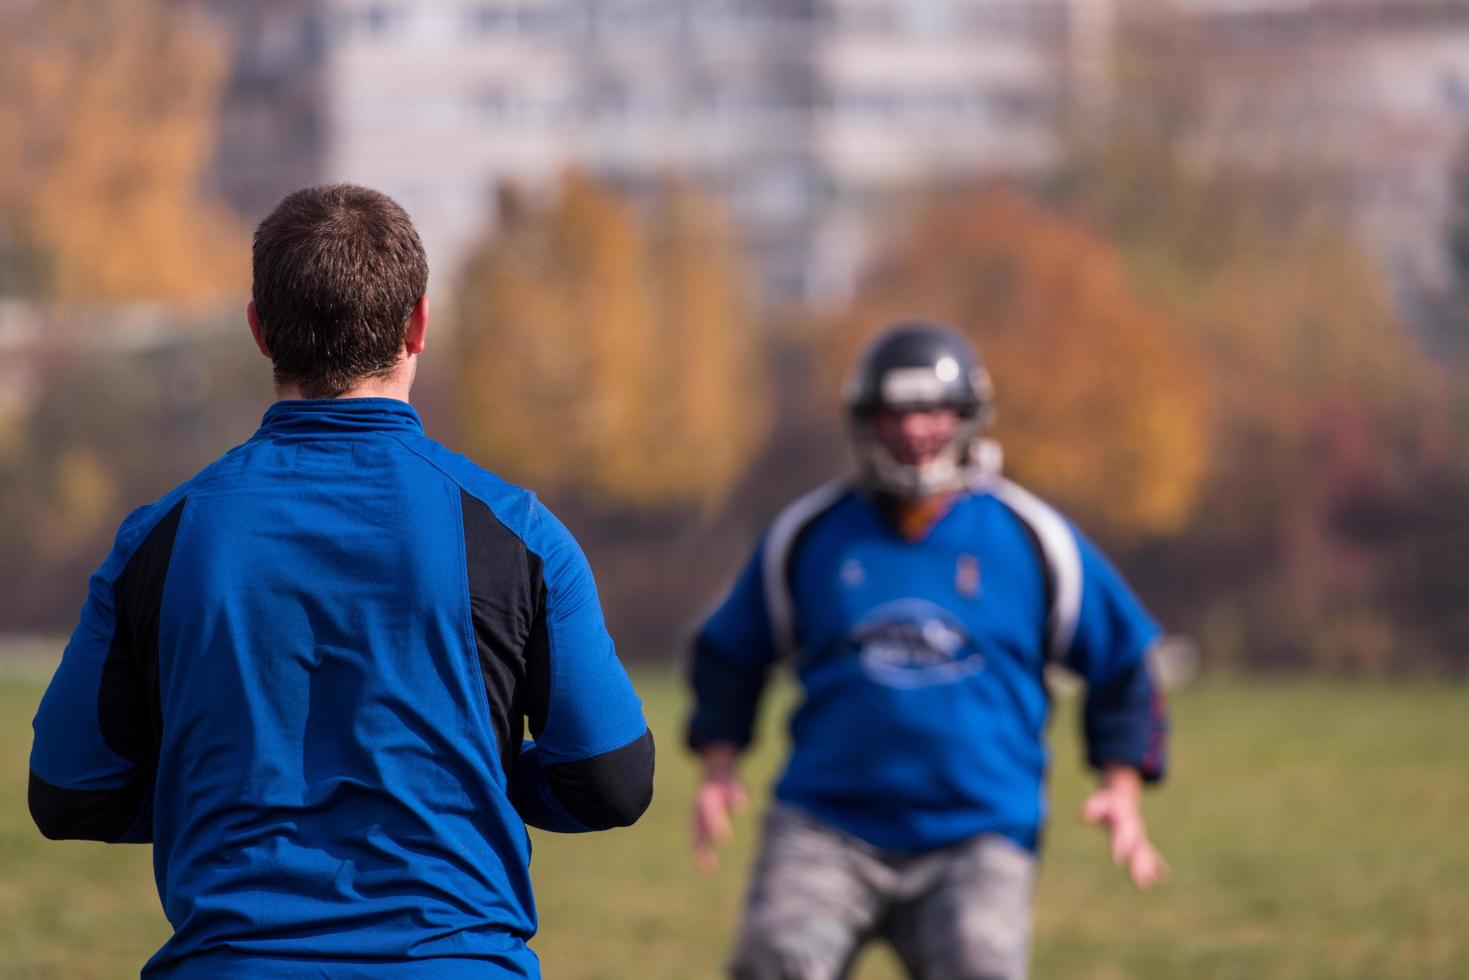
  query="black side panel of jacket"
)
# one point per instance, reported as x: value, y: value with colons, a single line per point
x: 129, y: 708
x: 608, y: 790
x: 500, y: 602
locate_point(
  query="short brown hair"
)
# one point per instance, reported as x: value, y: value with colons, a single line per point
x: 337, y: 270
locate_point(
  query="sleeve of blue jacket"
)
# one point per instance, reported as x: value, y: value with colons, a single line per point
x: 731, y: 660
x: 95, y: 744
x: 589, y: 764
x: 1124, y: 718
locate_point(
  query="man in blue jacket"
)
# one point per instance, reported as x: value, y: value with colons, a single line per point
x: 919, y: 605
x: 305, y: 674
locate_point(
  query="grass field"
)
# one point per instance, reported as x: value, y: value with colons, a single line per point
x: 1315, y: 830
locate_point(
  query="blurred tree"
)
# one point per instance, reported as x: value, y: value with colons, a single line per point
x: 610, y: 355
x: 105, y: 131
x: 1328, y: 414
x: 1448, y: 311
x: 83, y: 499
x: 111, y: 426
x: 1444, y: 305
x: 715, y: 408
x: 1103, y: 402
x: 1456, y: 257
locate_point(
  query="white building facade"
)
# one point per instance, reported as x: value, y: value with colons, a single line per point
x: 807, y: 117
x: 802, y: 116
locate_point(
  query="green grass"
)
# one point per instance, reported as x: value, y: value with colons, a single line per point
x: 1315, y: 830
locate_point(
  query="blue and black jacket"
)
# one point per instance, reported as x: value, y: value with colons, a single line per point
x: 305, y: 676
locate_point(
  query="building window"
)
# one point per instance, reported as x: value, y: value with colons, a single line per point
x: 855, y: 18
x: 934, y: 18
x: 380, y: 19
x: 1455, y: 91
x: 528, y: 20
x: 508, y: 106
x: 488, y: 18
x: 500, y: 106
x: 639, y: 18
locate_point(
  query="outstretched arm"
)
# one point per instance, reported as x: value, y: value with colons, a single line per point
x: 1124, y: 719
x: 726, y: 697
x: 731, y: 659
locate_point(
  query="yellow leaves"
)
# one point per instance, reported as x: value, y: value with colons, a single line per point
x: 106, y: 128
x: 610, y: 353
x: 1322, y: 402
x: 1104, y: 404
x: 82, y: 501
x: 714, y: 415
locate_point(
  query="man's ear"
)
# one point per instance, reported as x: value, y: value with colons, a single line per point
x: 254, y: 320
x: 413, y: 341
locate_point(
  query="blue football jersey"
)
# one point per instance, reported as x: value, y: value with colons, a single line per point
x: 924, y: 707
x: 304, y: 677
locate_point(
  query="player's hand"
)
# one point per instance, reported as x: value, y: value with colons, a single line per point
x: 721, y: 794
x: 1116, y: 807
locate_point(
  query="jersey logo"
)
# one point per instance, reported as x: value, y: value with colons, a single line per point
x: 913, y: 643
x: 852, y: 573
x: 966, y: 576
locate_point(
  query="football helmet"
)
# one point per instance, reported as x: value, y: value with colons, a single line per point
x: 921, y: 365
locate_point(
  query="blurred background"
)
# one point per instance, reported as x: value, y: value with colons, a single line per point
x: 1215, y: 252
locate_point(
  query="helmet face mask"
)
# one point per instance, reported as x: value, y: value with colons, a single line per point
x: 920, y: 366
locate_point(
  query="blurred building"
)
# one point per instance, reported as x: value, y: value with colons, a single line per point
x: 805, y: 116
x: 1372, y: 95
x: 810, y: 118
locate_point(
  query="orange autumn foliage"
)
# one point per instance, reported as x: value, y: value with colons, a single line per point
x: 1104, y: 405
x: 610, y: 353
x: 106, y: 130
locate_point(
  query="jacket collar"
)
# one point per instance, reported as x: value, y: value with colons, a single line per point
x: 334, y: 416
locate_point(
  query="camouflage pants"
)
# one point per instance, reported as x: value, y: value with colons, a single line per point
x: 962, y: 913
